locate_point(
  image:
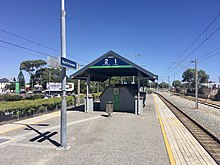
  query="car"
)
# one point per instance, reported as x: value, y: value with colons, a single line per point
x: 56, y: 95
x: 29, y: 92
x: 22, y: 91
x: 48, y: 96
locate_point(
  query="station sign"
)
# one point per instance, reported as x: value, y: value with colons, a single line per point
x: 64, y: 62
x: 53, y: 62
x: 111, y: 62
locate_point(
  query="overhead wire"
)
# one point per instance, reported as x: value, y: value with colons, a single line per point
x: 22, y: 47
x: 196, y: 39
x: 20, y: 51
x: 203, y: 59
x: 194, y: 50
x: 39, y: 44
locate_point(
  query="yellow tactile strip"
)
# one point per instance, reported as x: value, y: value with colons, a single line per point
x: 185, y: 148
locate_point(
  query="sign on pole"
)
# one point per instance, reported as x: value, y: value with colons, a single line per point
x: 53, y: 62
x: 64, y: 62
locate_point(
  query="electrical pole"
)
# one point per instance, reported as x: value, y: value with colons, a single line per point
x: 169, y: 83
x: 196, y: 84
x: 63, y: 127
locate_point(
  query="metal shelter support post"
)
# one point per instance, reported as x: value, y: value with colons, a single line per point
x: 87, y: 93
x: 63, y: 127
x: 138, y: 102
x: 78, y: 88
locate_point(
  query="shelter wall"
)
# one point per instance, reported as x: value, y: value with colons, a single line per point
x: 126, y: 99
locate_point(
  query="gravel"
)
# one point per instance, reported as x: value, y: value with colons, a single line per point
x: 206, y: 116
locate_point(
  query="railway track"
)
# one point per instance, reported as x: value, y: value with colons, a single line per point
x: 214, y: 104
x: 205, y: 138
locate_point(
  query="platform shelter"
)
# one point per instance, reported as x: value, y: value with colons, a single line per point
x: 108, y: 65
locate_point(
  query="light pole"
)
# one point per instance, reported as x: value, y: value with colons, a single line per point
x: 196, y: 83
x: 63, y: 125
x: 169, y: 83
x: 133, y: 56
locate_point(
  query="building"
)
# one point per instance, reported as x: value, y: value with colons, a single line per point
x: 3, y: 83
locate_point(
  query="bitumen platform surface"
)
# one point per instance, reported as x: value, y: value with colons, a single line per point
x: 156, y: 137
x: 93, y: 139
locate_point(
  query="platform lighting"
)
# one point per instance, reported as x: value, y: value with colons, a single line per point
x: 196, y: 83
x: 133, y: 56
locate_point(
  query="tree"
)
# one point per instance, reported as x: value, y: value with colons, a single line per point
x: 164, y: 85
x: 45, y: 75
x: 31, y: 66
x: 21, y: 79
x: 176, y: 83
x: 189, y: 77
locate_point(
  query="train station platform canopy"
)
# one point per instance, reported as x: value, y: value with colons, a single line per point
x: 112, y: 64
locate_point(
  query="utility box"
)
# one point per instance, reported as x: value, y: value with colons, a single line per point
x: 109, y: 108
x: 89, y: 104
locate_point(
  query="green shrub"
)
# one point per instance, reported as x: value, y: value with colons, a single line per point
x: 7, y: 97
x: 29, y: 107
x: 34, y: 96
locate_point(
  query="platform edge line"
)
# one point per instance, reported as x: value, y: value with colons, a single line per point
x: 169, y: 151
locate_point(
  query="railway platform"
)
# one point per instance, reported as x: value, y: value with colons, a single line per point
x: 181, y: 146
x: 156, y: 137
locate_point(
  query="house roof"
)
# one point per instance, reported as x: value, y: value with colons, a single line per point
x: 4, y: 80
x: 112, y: 64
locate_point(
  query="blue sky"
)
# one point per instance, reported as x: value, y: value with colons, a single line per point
x: 158, y: 30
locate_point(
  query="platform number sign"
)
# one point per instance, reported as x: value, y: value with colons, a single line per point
x: 110, y: 61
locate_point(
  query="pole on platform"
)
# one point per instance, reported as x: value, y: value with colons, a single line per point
x: 63, y: 126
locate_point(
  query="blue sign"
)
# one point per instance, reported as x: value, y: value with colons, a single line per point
x: 67, y: 63
x: 111, y: 63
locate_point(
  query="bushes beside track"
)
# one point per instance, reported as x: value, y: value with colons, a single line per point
x: 22, y: 108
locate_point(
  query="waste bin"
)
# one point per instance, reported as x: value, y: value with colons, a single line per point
x: 109, y: 108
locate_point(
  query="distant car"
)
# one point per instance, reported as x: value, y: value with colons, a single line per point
x: 56, y: 95
x: 48, y: 96
x: 22, y: 91
x: 37, y: 91
x: 29, y: 92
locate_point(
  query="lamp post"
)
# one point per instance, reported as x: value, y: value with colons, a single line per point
x: 133, y: 56
x: 63, y: 118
